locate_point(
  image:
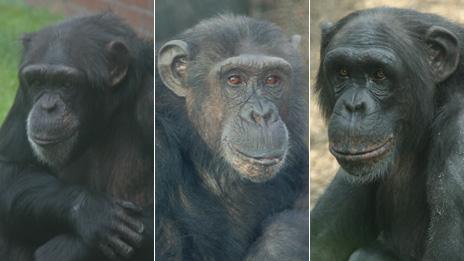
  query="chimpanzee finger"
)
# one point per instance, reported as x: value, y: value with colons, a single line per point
x: 130, y: 236
x: 129, y: 206
x: 133, y: 223
x: 108, y: 252
x: 120, y: 247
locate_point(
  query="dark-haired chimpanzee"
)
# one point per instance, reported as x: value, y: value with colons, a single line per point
x: 231, y: 121
x: 76, y: 154
x: 389, y: 84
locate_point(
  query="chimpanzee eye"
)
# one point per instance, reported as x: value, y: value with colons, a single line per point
x: 343, y: 72
x: 379, y: 75
x: 234, y: 80
x: 272, y: 80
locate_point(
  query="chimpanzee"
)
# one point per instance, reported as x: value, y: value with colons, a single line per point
x: 388, y: 83
x: 76, y: 157
x: 231, y: 120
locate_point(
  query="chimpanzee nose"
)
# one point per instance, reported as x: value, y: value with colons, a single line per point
x: 48, y: 103
x: 261, y: 114
x: 356, y: 100
x: 357, y: 106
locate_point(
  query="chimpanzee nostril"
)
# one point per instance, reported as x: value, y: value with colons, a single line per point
x: 357, y: 107
x: 259, y: 112
x: 256, y: 117
x: 263, y: 118
x: 267, y: 116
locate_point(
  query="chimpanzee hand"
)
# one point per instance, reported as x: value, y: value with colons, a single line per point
x: 112, y: 226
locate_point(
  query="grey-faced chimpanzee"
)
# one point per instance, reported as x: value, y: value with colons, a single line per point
x: 76, y: 156
x: 231, y: 120
x: 386, y: 77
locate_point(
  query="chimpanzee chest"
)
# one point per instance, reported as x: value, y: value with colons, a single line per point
x: 403, y: 216
x: 123, y: 170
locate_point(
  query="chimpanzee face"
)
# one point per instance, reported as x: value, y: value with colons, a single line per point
x: 376, y: 87
x: 366, y: 120
x: 53, y: 122
x: 236, y: 107
x: 254, y: 138
x: 68, y: 86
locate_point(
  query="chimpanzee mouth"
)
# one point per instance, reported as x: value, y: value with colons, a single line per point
x: 368, y: 154
x: 47, y: 141
x: 267, y: 160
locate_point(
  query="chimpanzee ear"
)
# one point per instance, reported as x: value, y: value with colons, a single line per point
x: 326, y: 27
x: 172, y: 65
x: 119, y: 61
x: 443, y: 52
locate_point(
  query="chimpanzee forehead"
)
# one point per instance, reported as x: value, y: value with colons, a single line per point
x: 379, y: 31
x: 61, y: 47
x: 51, y: 52
x: 363, y: 55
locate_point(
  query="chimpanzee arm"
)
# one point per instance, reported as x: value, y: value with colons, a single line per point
x: 66, y: 247
x: 168, y: 169
x: 34, y: 202
x: 284, y: 237
x: 342, y: 220
x: 445, y: 187
x: 69, y: 247
x: 373, y: 252
x: 35, y: 206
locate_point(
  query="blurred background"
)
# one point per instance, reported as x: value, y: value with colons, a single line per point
x: 323, y: 165
x: 20, y: 16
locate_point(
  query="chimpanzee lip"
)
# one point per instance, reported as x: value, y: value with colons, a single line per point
x: 366, y: 154
x: 44, y: 141
x: 261, y: 160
